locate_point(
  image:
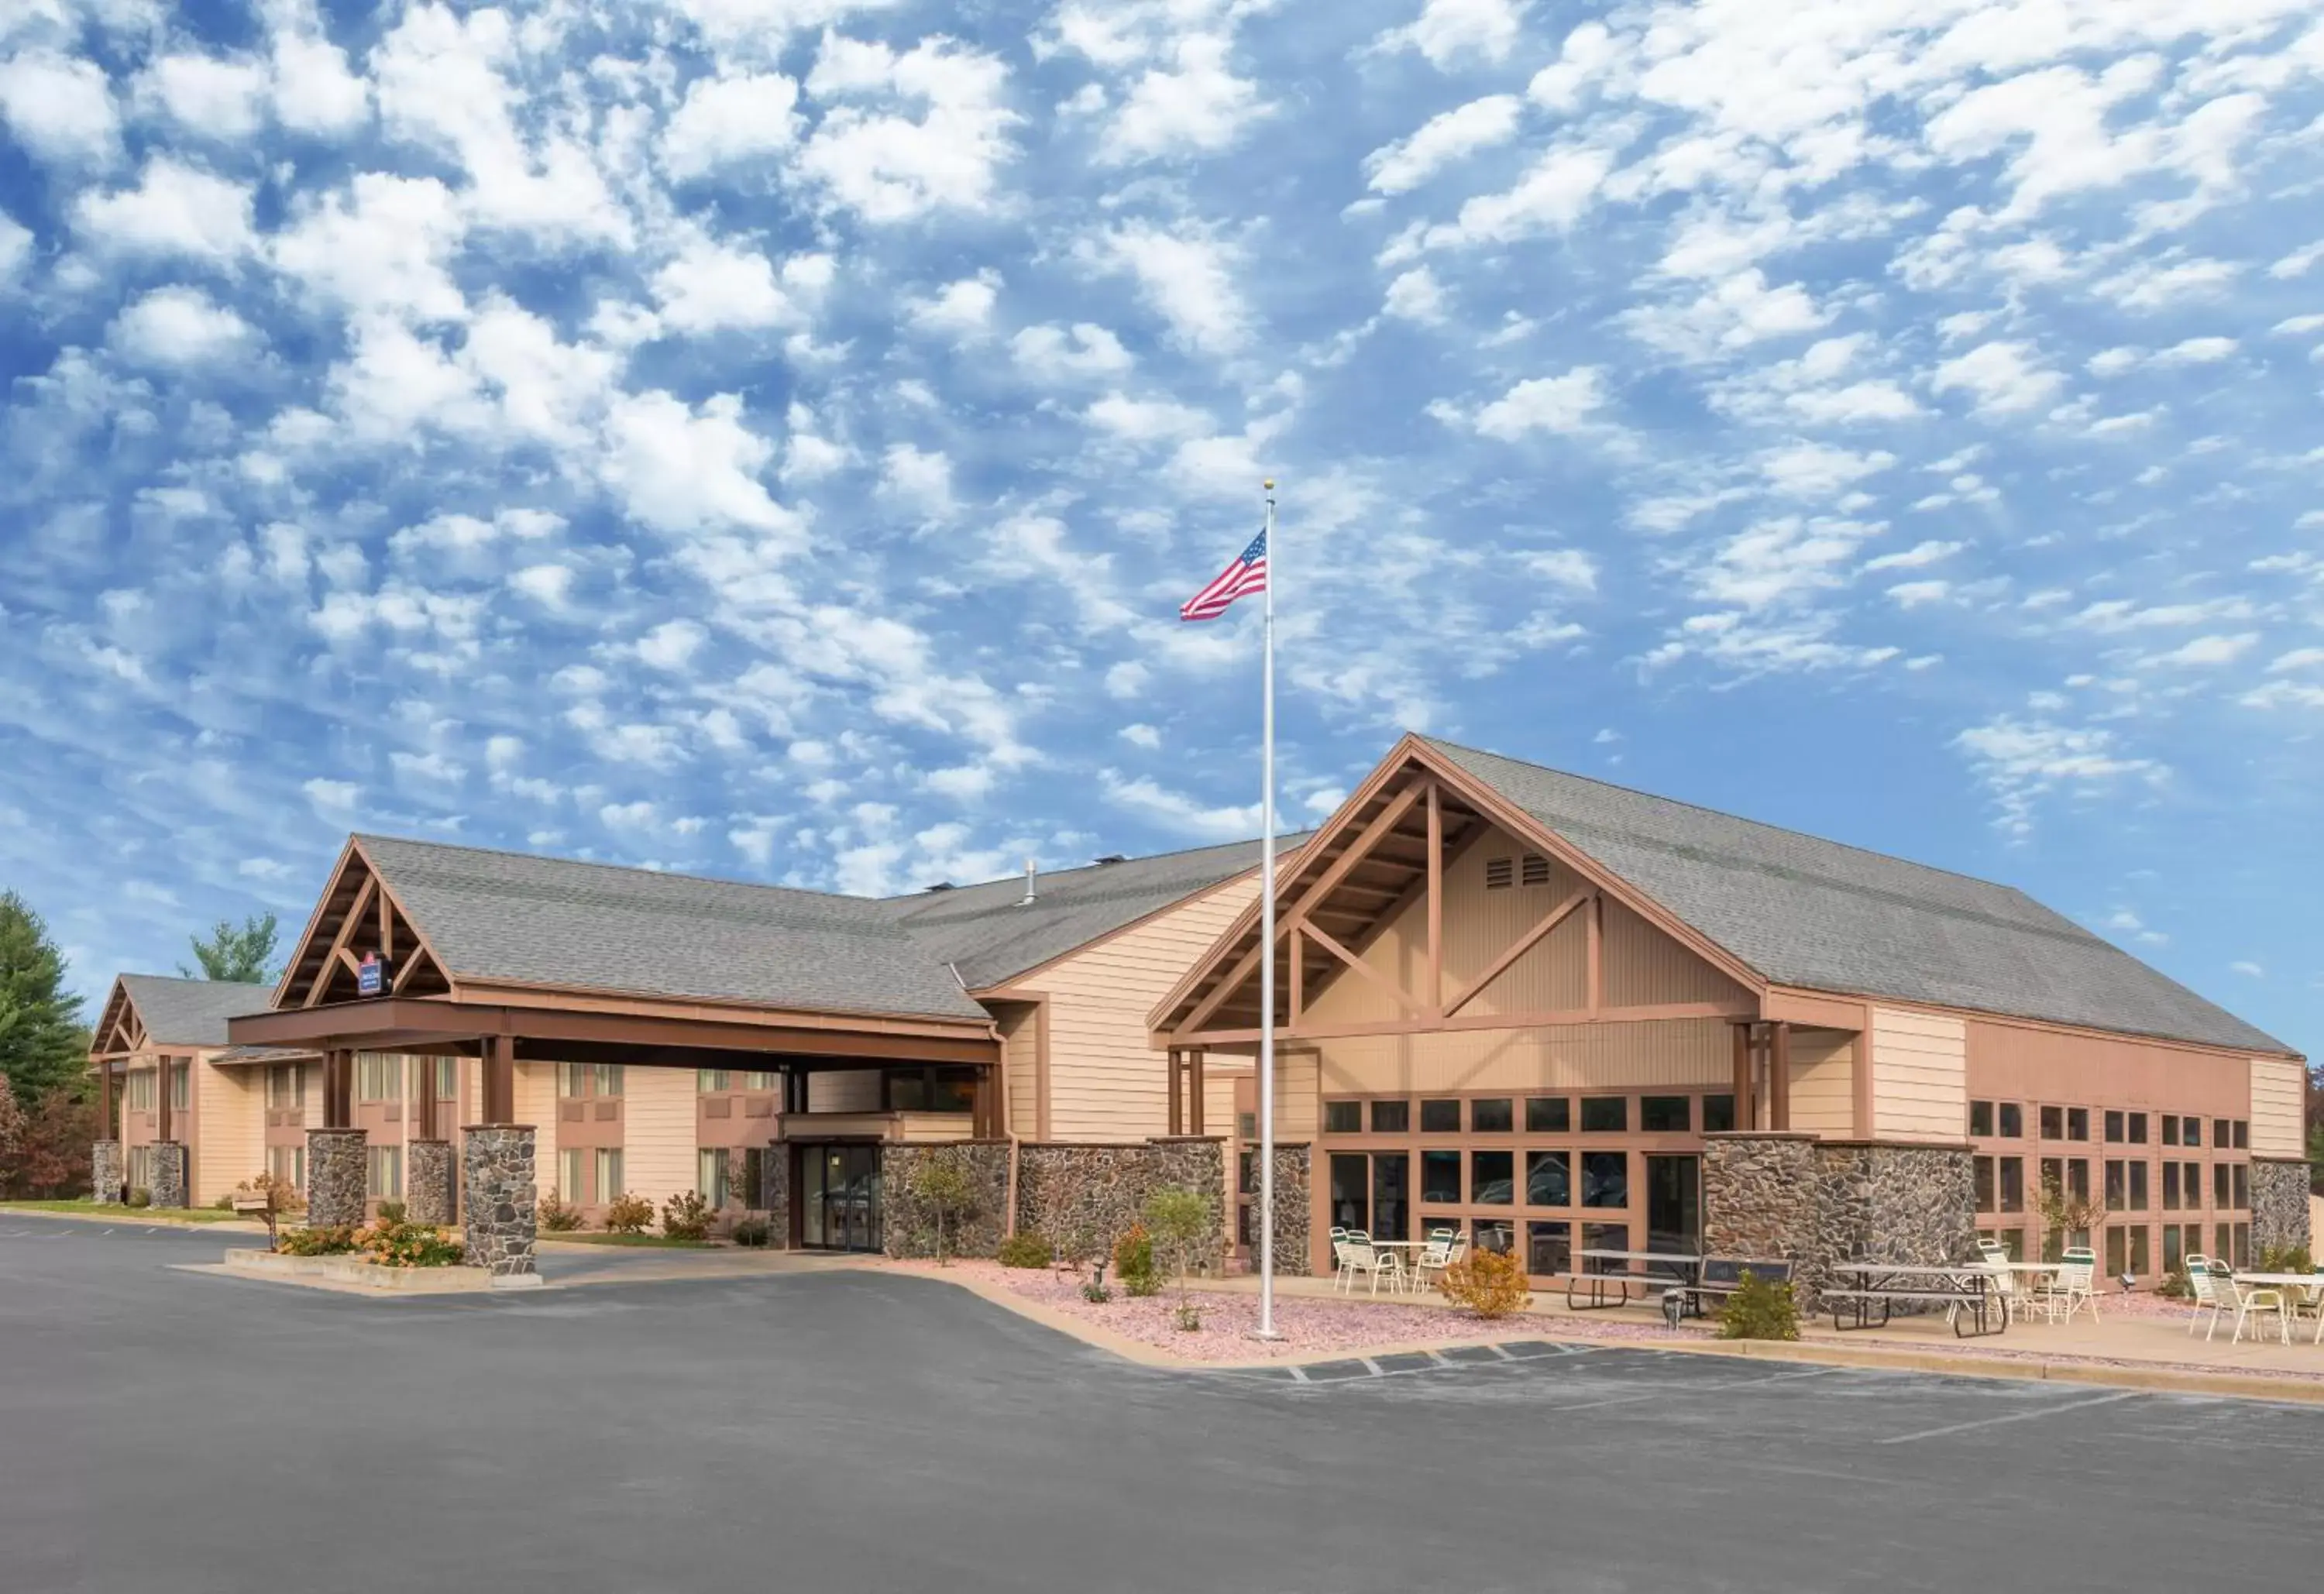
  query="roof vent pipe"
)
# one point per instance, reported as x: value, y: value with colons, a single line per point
x: 1028, y: 899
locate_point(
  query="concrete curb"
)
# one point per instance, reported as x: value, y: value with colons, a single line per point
x: 347, y: 1275
x: 138, y: 1217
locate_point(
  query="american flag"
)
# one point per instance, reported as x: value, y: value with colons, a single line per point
x: 1246, y: 575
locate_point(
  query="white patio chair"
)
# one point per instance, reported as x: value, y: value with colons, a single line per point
x: 2308, y: 1300
x: 2071, y: 1287
x: 1363, y: 1257
x: 1342, y: 1274
x: 1432, y: 1259
x: 2247, y: 1304
x: 2204, y: 1292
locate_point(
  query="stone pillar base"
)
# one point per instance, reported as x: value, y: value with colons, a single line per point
x: 427, y: 1183
x: 1294, y: 1247
x: 338, y: 1177
x: 2279, y: 1205
x: 502, y: 1221
x: 169, y: 1173
x: 1792, y: 1197
x: 774, y: 1194
x: 105, y: 1165
x: 908, y: 1225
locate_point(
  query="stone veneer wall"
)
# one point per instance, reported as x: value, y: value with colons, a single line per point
x: 169, y: 1173
x: 428, y: 1185
x: 774, y: 1194
x: 1814, y: 1203
x: 1083, y: 1197
x: 2279, y: 1198
x: 338, y: 1176
x: 502, y: 1221
x: 1293, y: 1177
x: 908, y: 1225
x: 105, y: 1165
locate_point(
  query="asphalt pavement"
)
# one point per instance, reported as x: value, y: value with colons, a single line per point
x: 854, y: 1432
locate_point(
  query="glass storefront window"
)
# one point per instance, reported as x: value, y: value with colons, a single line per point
x: 1549, y: 1181
x: 1605, y: 1178
x: 1440, y: 1177
x: 1490, y: 1115
x: 1493, y: 1234
x: 1549, y: 1249
x: 2013, y: 1120
x: 1440, y: 1118
x: 1492, y: 1177
x: 1391, y: 1195
x: 1664, y: 1115
x: 1548, y: 1115
x: 1343, y: 1118
x: 1391, y: 1118
x: 1605, y: 1115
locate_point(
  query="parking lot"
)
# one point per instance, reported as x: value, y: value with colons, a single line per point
x: 859, y: 1432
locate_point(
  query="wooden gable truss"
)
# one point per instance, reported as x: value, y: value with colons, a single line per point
x: 120, y: 1030
x: 359, y: 913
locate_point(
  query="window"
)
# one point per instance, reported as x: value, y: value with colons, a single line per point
x: 1605, y: 1179
x: 2172, y: 1253
x: 1492, y: 1178
x: 1490, y: 1115
x: 2243, y: 1134
x: 1548, y: 1115
x: 1440, y: 1118
x: 1247, y: 1174
x: 2054, y: 1123
x: 2243, y: 1187
x: 1391, y: 1193
x: 2053, y: 1174
x: 2012, y: 1184
x: 1493, y: 1234
x: 385, y: 1179
x: 141, y: 1166
x: 2169, y: 1136
x: 2013, y: 1120
x: 286, y: 1086
x: 2113, y: 1130
x: 137, y: 1091
x: 2223, y: 1134
x: 2137, y: 1263
x: 605, y: 1078
x: 181, y: 1081
x: 2078, y: 1178
x: 1440, y: 1177
x: 2138, y: 1191
x: 709, y: 1082
x: 2222, y: 1190
x: 1391, y: 1118
x: 2117, y: 1186
x: 928, y: 1090
x: 1605, y: 1115
x: 2170, y: 1185
x: 1980, y: 1118
x: 1605, y: 1237
x: 572, y: 1079
x: 1343, y: 1118
x: 713, y: 1163
x: 2077, y: 1123
x: 1718, y: 1114
x: 2190, y: 1131
x: 760, y: 1079
x: 1549, y: 1247
x: 288, y: 1163
x: 1500, y: 873
x: 1549, y: 1180
x: 2118, y: 1251
x: 1247, y: 1125
x: 575, y: 1192
x: 379, y: 1077
x: 1664, y: 1115
x: 609, y: 1173
x: 1982, y: 1168
x: 2138, y: 1129
x: 2190, y: 1180
x: 2243, y: 1245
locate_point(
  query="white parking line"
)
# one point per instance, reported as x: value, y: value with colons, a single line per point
x: 2025, y: 1416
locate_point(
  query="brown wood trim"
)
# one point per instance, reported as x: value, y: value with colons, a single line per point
x: 285, y: 986
x: 1041, y: 1067
x: 1433, y: 883
x: 579, y: 998
x: 1779, y: 1076
x: 1571, y: 1019
x: 1871, y: 999
x: 1403, y: 997
x: 337, y: 949
x: 1194, y: 1093
x: 1860, y: 1080
x: 1746, y: 1111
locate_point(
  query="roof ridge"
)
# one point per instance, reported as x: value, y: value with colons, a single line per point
x: 1822, y: 840
x: 629, y: 868
x: 199, y: 979
x: 1093, y: 866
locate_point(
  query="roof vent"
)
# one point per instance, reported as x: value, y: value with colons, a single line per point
x: 939, y: 886
x: 1532, y: 869
x: 1499, y: 874
x: 1027, y: 900
x: 1114, y: 858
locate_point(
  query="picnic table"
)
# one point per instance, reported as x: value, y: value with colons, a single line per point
x: 1966, y: 1290
x: 1618, y: 1271
x: 2288, y: 1283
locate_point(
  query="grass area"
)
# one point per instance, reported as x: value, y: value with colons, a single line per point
x: 598, y: 1237
x: 89, y: 1209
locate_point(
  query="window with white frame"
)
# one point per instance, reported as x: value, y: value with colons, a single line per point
x: 609, y: 1174
x: 572, y: 1079
x: 386, y: 1181
x: 710, y: 1177
x: 709, y: 1082
x: 288, y: 1163
x: 137, y: 1091
x: 286, y: 1086
x: 605, y: 1078
x: 379, y: 1076
x: 576, y: 1165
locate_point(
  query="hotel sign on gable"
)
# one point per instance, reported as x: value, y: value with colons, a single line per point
x: 371, y: 975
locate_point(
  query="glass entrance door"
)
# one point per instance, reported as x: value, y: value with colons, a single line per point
x: 1674, y: 1204
x: 839, y: 1197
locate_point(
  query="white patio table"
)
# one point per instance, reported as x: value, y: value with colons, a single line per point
x: 2287, y: 1283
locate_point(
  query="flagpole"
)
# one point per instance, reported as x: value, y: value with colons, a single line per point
x: 1267, y: 942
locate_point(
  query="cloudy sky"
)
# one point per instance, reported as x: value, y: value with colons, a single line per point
x: 771, y: 438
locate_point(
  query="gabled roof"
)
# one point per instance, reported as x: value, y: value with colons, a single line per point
x: 1806, y: 912
x: 190, y: 1012
x: 509, y: 917
x: 993, y: 935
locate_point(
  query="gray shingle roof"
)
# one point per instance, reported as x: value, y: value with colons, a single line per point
x: 1812, y: 913
x: 191, y: 1012
x: 510, y: 915
x: 991, y: 938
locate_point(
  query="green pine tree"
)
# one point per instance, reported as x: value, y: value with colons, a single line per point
x: 44, y: 1045
x: 244, y: 955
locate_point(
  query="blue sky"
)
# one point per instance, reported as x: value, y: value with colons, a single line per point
x: 771, y: 438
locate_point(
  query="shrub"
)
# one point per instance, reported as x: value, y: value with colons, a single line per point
x: 1491, y: 1284
x: 392, y: 1212
x: 1759, y: 1309
x: 2176, y: 1286
x: 939, y: 1183
x: 686, y: 1216
x: 1095, y: 1293
x: 1183, y: 1220
x: 1028, y: 1248
x: 558, y: 1217
x: 1190, y: 1318
x: 629, y: 1214
x: 224, y: 1204
x: 137, y: 1195
x: 2284, y: 1258
x: 1133, y: 1261
x: 331, y: 1241
x: 282, y: 1196
x: 394, y: 1243
x: 752, y: 1232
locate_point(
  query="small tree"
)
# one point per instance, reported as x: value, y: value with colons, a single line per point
x: 1490, y: 1282
x: 1759, y: 1309
x: 52, y: 1154
x: 939, y: 1183
x: 2068, y: 1215
x: 1181, y: 1221
x: 245, y: 955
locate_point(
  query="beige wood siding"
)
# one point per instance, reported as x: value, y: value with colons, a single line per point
x: 1105, y: 1081
x: 2024, y: 1063
x: 1823, y: 1081
x: 1693, y: 1052
x: 851, y: 1090
x: 1644, y: 967
x: 2278, y: 1086
x: 658, y: 1132
x: 1019, y: 1024
x: 1919, y: 1076
x: 536, y: 1104
x: 313, y: 1088
x: 933, y: 1126
x: 230, y: 1119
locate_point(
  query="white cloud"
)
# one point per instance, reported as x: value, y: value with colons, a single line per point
x: 314, y: 91
x: 918, y: 479
x: 1567, y: 568
x: 208, y: 95
x: 1193, y: 104
x: 727, y: 120
x: 2248, y: 969
x: 1186, y: 816
x: 1415, y: 296
x: 178, y: 326
x: 174, y: 209
x: 2152, y: 286
x: 16, y: 248
x: 1145, y: 736
x: 1187, y: 278
x: 2000, y: 378
x: 1550, y: 198
x: 385, y: 245
x: 2202, y: 651
x: 1147, y: 420
x: 1559, y: 404
x: 1083, y: 352
x: 961, y: 311
x: 887, y: 166
x: 59, y: 106
x: 682, y: 469
x: 1448, y: 137
x: 1914, y: 557
x: 549, y: 586
x: 1447, y: 32
x: 711, y: 287
x: 2023, y: 762
x: 672, y: 644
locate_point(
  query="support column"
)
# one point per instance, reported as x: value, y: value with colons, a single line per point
x: 165, y: 1080
x: 338, y: 1090
x: 427, y: 1183
x: 499, y: 1103
x: 1779, y: 1077
x: 1746, y: 1116
x: 1194, y: 1091
x: 502, y: 1219
x: 1175, y: 1120
x: 104, y: 1171
x: 169, y: 1187
x: 339, y: 1175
